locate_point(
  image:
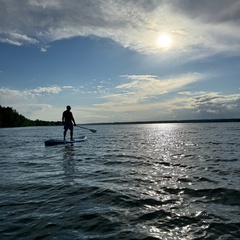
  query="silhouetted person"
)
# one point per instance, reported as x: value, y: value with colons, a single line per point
x: 68, y: 121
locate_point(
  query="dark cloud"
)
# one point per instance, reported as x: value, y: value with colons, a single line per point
x: 217, y: 11
x: 42, y: 19
x: 143, y: 5
x: 211, y: 107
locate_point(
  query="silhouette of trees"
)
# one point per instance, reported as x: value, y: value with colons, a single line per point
x: 11, y: 118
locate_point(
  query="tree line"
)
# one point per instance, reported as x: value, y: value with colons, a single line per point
x: 9, y: 117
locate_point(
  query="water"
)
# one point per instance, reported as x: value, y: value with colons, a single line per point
x: 149, y: 181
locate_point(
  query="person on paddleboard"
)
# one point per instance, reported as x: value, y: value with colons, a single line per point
x: 68, y: 121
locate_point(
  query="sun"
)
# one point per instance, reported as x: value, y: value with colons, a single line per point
x: 164, y: 41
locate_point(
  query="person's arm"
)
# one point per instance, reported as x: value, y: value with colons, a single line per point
x: 73, y: 120
x: 63, y: 118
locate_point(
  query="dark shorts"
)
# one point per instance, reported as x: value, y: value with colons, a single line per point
x: 68, y: 125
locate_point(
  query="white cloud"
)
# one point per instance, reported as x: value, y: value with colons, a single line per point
x: 207, y: 105
x: 35, y: 103
x: 198, y: 105
x: 41, y: 90
x: 10, y: 41
x: 10, y: 96
x: 43, y: 49
x: 23, y: 38
x: 142, y: 97
x: 140, y: 88
x: 68, y: 87
x: 17, y: 39
x: 44, y: 4
x: 138, y: 102
x: 194, y: 26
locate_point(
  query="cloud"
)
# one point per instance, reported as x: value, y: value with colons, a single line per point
x: 138, y: 98
x: 35, y: 103
x: 12, y: 96
x: 42, y: 90
x: 227, y: 11
x: 142, y: 88
x: 143, y: 97
x: 195, y: 105
x: 43, y: 49
x: 17, y: 39
x: 194, y: 26
x: 68, y: 87
x: 217, y: 103
x: 208, y: 105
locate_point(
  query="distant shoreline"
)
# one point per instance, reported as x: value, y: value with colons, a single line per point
x: 11, y: 118
x: 169, y: 121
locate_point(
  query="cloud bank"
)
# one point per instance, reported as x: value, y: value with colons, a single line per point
x: 193, y: 25
x: 137, y: 98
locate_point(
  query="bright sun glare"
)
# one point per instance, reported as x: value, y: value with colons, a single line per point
x: 164, y: 41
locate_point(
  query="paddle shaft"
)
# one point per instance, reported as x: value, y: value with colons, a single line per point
x: 92, y: 130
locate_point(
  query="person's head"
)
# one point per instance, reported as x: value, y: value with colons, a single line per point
x: 68, y: 108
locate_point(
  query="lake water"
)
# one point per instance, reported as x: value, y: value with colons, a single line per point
x: 146, y: 181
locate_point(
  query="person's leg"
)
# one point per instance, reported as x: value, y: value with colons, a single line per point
x: 64, y: 134
x: 71, y: 133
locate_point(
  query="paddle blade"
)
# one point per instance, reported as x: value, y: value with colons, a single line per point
x: 93, y: 131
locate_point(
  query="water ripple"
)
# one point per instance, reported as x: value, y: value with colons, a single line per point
x: 159, y: 181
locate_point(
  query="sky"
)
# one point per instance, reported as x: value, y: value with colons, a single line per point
x: 120, y: 60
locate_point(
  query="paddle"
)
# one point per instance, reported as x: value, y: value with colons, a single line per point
x: 92, y: 130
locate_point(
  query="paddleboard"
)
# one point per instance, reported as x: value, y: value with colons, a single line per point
x: 52, y: 142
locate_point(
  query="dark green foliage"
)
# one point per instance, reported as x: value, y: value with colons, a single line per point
x: 11, y: 118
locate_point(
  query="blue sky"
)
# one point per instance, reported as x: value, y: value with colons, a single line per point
x: 122, y: 60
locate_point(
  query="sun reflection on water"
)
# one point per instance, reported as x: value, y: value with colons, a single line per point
x: 164, y: 180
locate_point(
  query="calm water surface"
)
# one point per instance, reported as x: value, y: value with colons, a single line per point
x: 148, y: 181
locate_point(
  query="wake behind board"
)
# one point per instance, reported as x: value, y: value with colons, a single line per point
x: 52, y: 142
